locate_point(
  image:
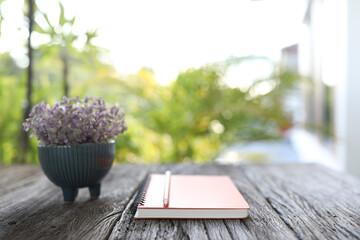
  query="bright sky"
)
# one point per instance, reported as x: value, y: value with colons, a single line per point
x: 169, y: 36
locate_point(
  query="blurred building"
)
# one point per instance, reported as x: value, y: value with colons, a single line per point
x: 328, y: 53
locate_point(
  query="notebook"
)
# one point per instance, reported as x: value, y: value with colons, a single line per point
x: 189, y: 196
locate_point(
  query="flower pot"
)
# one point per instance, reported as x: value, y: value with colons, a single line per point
x: 73, y: 167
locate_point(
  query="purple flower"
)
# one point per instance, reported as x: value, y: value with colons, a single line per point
x: 74, y: 121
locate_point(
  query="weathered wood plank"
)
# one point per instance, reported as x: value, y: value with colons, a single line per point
x: 13, y: 177
x: 317, y: 203
x: 129, y: 228
x: 303, y: 201
x: 37, y: 211
x: 263, y: 222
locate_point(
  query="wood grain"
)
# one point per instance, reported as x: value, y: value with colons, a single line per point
x: 315, y: 202
x: 292, y: 201
x: 37, y: 210
x: 17, y: 176
x: 262, y: 223
x: 129, y: 228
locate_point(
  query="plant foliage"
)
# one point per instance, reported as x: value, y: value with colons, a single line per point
x: 75, y: 121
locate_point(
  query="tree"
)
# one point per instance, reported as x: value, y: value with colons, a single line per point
x: 62, y: 41
x: 198, y: 113
x: 1, y: 16
x: 23, y: 136
x: 42, y: 80
x: 62, y: 44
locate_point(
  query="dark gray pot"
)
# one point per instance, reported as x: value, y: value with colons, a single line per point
x: 73, y: 167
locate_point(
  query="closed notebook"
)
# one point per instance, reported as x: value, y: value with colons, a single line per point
x: 190, y: 196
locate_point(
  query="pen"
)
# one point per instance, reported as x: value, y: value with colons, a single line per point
x: 166, y: 189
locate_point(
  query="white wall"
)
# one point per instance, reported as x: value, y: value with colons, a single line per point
x: 332, y: 38
x: 341, y: 69
x: 351, y: 155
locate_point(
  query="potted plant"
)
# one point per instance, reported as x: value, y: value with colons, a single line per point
x: 76, y: 142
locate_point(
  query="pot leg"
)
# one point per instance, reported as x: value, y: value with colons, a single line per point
x: 69, y: 194
x: 95, y: 191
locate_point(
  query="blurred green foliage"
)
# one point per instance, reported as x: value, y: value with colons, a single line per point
x: 188, y: 120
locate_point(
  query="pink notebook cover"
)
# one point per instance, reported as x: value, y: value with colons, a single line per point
x: 193, y: 192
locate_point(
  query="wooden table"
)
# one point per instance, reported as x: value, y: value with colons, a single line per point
x: 292, y: 201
